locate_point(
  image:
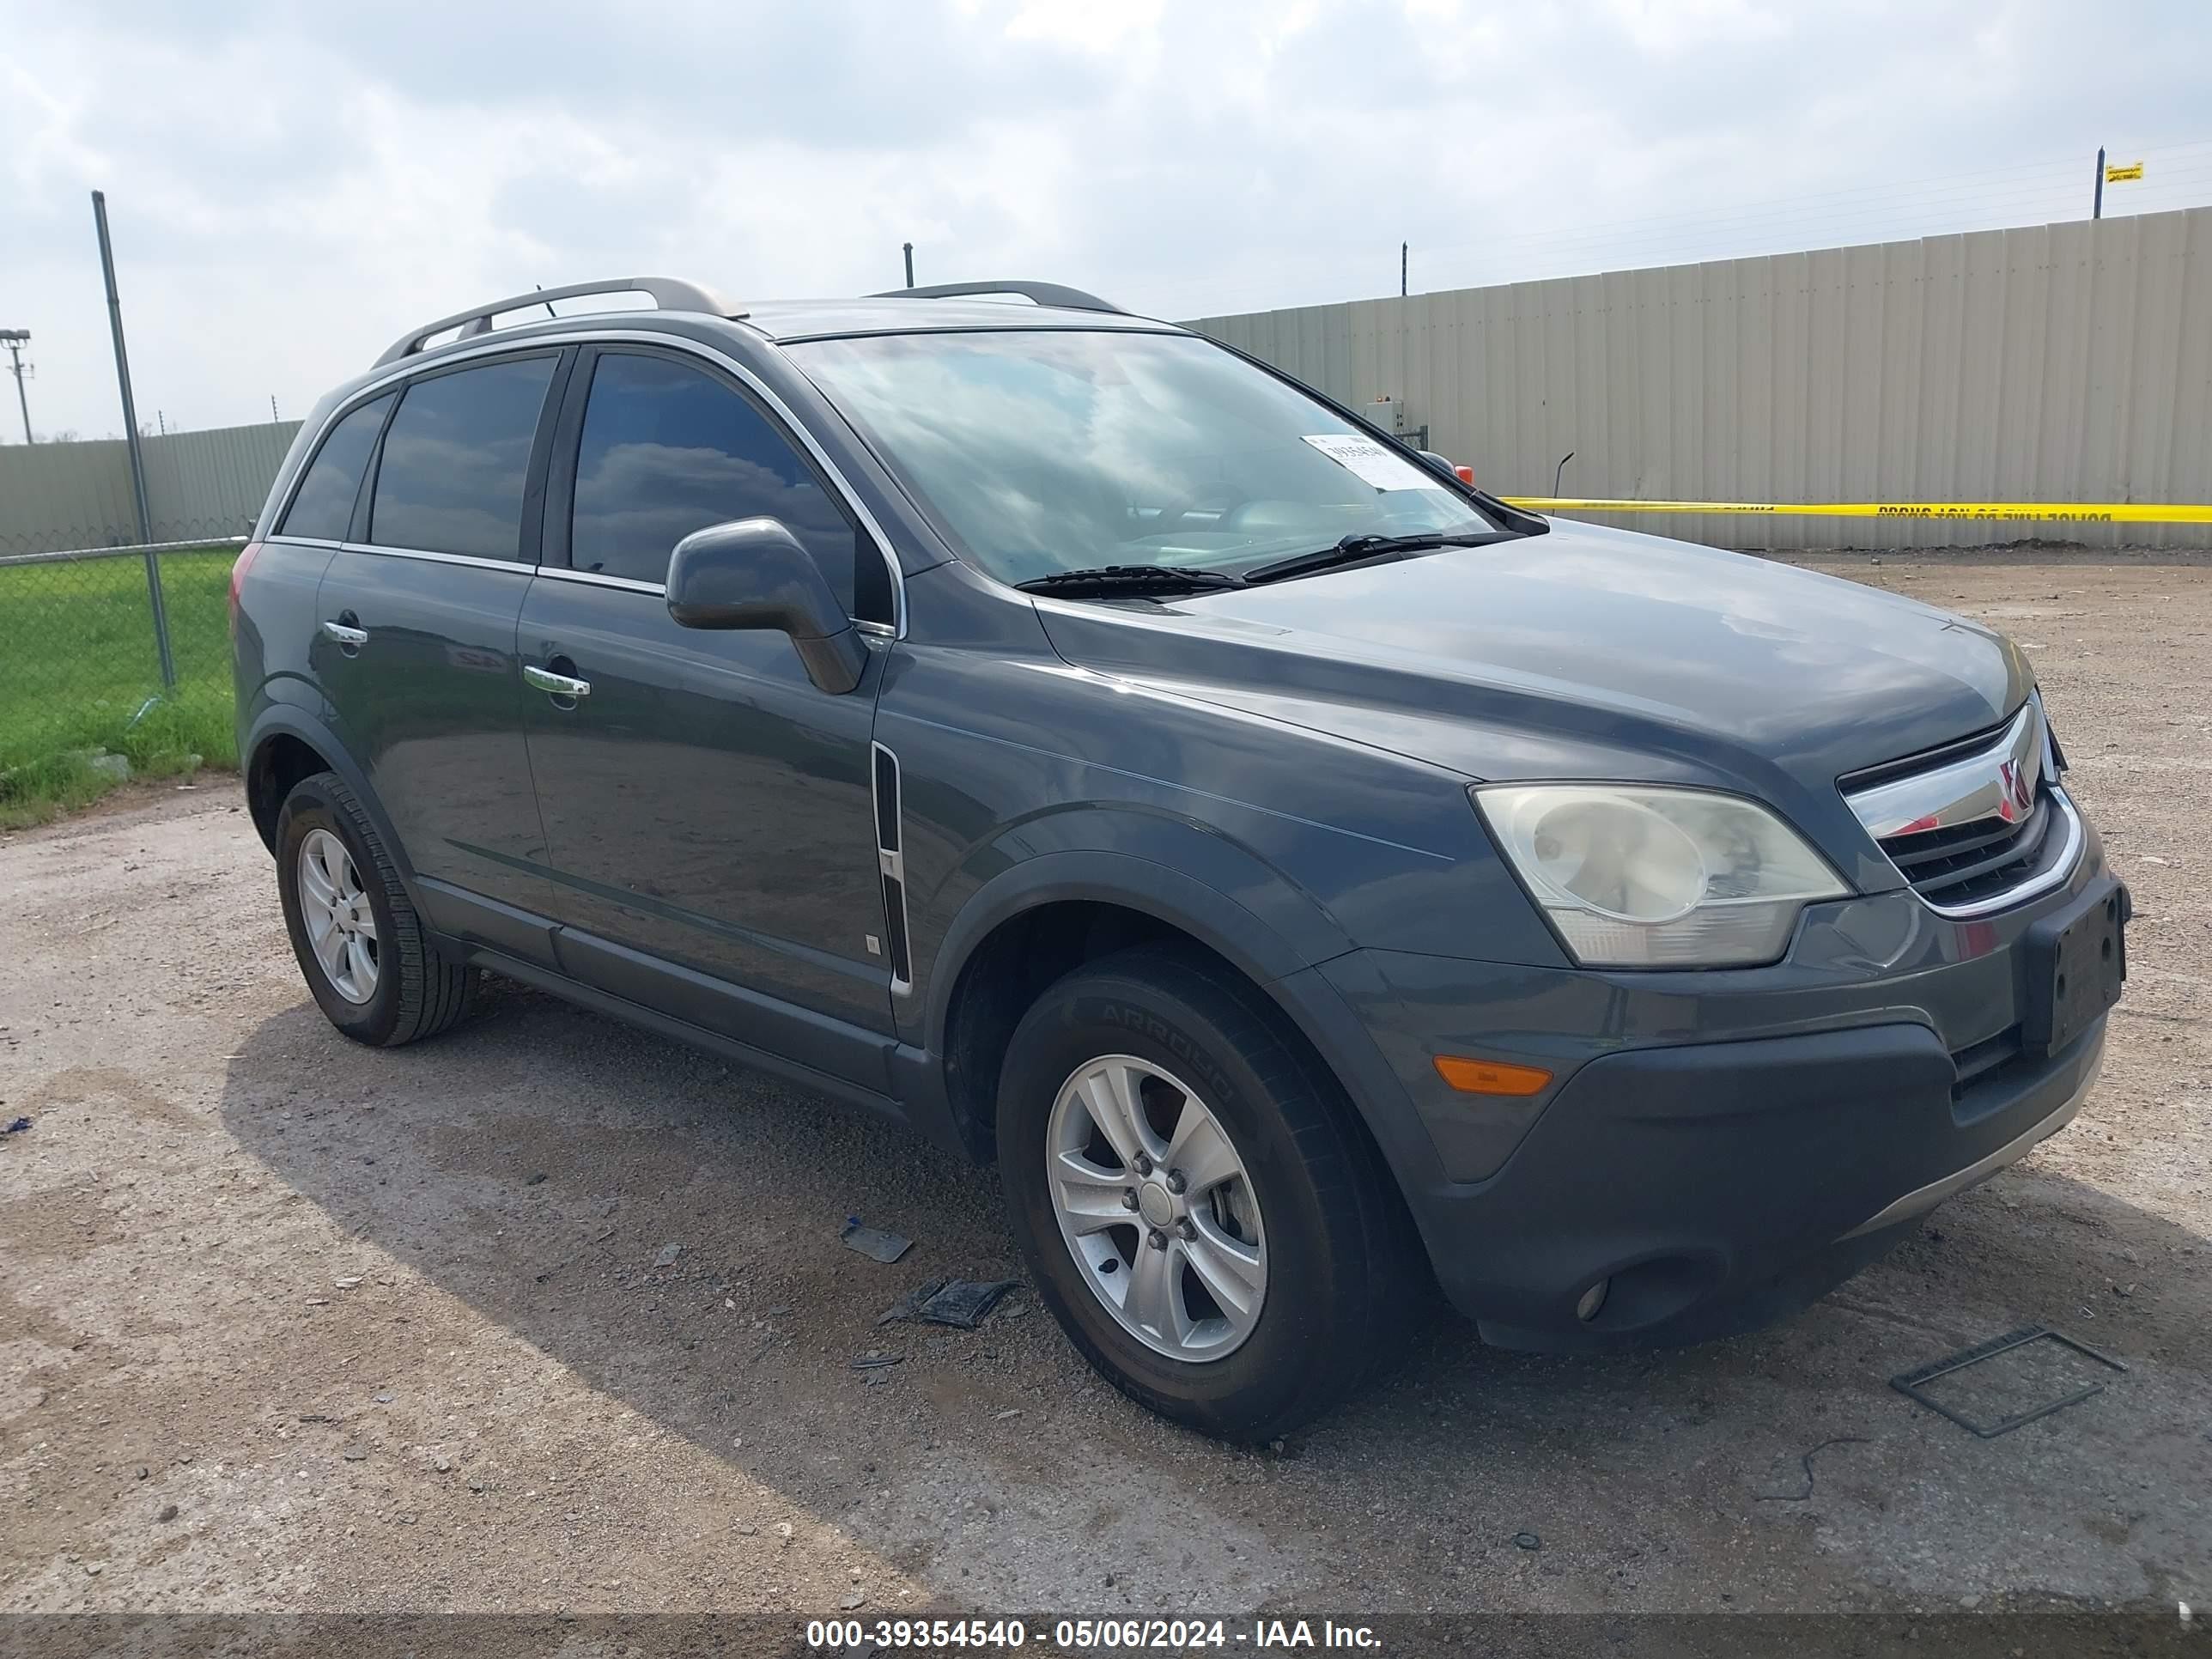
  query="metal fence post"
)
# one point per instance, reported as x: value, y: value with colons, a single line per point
x: 137, y: 458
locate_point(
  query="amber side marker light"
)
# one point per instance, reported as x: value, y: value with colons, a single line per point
x: 1491, y: 1077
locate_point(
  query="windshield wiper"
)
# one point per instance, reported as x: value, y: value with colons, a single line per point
x: 1133, y: 579
x: 1352, y: 549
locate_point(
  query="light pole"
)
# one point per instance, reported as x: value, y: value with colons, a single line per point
x: 15, y: 339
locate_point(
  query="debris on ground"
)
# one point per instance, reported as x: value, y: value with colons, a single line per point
x: 17, y: 1126
x: 1912, y: 1384
x: 873, y: 1360
x: 1805, y: 1461
x: 962, y: 1303
x: 909, y: 1305
x: 1526, y: 1540
x: 874, y: 1242
x: 668, y: 1255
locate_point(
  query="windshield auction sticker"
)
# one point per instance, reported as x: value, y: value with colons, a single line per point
x: 1371, y: 463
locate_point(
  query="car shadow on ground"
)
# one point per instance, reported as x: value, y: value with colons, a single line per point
x: 539, y: 1163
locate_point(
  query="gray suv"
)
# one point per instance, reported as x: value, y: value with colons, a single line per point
x: 1313, y: 880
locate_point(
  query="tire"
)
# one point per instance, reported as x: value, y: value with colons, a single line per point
x: 1342, y: 1272
x: 412, y: 992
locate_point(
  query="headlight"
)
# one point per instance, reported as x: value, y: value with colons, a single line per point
x: 1633, y: 877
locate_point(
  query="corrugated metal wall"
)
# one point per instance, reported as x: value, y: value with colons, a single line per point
x: 78, y: 495
x: 2067, y: 362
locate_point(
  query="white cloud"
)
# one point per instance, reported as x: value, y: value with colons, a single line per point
x: 291, y: 185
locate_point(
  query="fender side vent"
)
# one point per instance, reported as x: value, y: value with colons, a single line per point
x: 887, y: 799
x: 891, y: 862
x: 895, y: 924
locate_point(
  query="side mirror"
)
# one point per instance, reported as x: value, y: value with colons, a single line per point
x: 753, y: 573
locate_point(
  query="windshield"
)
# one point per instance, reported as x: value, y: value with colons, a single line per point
x: 1042, y: 451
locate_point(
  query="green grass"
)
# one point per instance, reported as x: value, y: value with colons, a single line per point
x: 78, y: 666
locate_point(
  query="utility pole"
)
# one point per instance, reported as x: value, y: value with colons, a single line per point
x: 908, y: 248
x: 15, y: 339
x: 131, y: 437
x: 2096, y: 204
x: 1401, y: 270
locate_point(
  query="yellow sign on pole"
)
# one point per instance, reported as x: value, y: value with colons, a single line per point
x: 2120, y: 173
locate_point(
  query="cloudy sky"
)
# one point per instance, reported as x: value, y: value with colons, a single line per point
x: 292, y: 184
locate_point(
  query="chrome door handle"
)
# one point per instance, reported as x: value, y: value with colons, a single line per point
x: 556, y: 685
x: 352, y: 638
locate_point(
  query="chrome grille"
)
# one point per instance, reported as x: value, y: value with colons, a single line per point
x: 1967, y: 861
x: 1978, y: 825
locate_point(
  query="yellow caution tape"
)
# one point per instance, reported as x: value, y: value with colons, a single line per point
x: 2028, y: 512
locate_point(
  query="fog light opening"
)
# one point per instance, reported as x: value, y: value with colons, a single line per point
x: 1593, y: 1299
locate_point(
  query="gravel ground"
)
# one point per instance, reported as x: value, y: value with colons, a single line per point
x: 291, y: 1324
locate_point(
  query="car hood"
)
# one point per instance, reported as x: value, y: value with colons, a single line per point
x: 1583, y: 651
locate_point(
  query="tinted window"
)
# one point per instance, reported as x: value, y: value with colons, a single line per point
x: 667, y: 449
x: 323, y: 506
x: 456, y: 457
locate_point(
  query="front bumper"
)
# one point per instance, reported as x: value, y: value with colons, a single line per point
x: 1715, y: 1188
x: 1718, y: 1149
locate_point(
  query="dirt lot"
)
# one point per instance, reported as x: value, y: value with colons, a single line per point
x: 289, y: 1324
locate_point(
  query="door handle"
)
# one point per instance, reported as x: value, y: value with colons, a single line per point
x: 555, y: 685
x: 352, y: 639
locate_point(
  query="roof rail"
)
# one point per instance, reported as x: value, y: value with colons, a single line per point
x: 1044, y: 294
x: 668, y: 293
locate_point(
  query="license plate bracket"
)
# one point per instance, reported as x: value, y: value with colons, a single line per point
x: 2076, y: 964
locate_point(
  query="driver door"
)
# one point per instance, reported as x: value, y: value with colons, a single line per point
x: 707, y: 808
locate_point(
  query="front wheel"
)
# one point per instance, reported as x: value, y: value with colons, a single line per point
x: 1199, y: 1207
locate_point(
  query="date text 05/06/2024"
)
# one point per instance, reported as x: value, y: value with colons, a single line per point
x: 1151, y: 1635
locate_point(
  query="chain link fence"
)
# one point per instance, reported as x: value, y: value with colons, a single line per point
x: 114, y: 662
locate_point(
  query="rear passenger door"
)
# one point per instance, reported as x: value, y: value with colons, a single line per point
x: 707, y: 806
x: 417, y: 647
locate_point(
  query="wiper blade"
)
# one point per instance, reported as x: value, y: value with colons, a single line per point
x: 1352, y: 549
x: 1131, y: 579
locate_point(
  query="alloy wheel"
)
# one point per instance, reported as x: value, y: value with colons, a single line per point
x: 1154, y: 1202
x: 341, y: 927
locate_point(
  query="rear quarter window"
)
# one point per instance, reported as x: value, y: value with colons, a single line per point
x: 456, y: 459
x: 322, y: 507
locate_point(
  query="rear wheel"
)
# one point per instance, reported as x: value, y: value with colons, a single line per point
x: 362, y: 948
x: 1198, y: 1205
